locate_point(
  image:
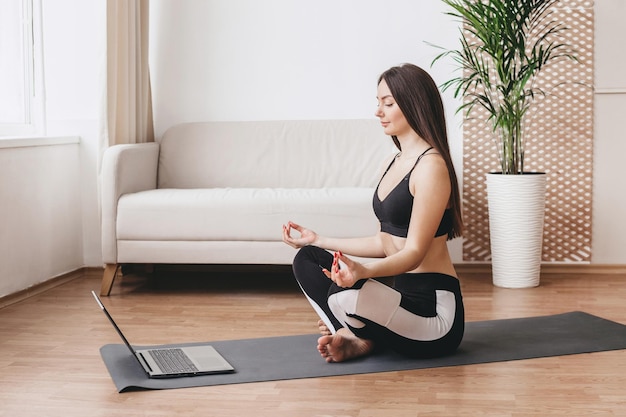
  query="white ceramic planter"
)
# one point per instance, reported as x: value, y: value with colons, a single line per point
x: 516, y: 213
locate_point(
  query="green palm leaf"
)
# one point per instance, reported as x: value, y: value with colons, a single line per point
x: 504, y: 44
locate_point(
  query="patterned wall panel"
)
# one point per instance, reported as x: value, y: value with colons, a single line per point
x: 559, y: 142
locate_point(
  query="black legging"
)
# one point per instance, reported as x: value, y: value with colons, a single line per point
x: 422, y: 315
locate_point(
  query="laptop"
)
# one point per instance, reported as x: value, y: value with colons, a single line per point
x: 174, y: 361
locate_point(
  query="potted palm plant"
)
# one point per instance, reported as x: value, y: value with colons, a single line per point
x: 504, y: 46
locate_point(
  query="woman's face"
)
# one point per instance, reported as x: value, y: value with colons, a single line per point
x: 391, y: 118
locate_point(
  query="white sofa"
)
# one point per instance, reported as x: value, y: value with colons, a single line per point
x: 219, y: 192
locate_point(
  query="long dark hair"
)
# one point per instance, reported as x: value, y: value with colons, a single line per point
x: 419, y: 99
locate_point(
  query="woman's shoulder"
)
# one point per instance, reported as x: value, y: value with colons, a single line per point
x: 432, y: 167
x: 431, y: 160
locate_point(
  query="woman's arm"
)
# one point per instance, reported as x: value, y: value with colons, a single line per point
x: 367, y: 247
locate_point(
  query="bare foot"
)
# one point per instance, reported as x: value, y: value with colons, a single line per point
x: 343, y: 346
x: 324, y: 331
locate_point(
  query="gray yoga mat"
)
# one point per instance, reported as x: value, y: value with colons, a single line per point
x: 292, y: 357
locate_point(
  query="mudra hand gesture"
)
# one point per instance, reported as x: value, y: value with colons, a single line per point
x: 344, y: 276
x: 307, y: 236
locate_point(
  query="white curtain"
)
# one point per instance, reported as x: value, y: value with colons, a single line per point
x: 127, y: 107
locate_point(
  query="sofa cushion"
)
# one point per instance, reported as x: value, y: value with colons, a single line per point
x: 243, y: 214
x: 274, y: 154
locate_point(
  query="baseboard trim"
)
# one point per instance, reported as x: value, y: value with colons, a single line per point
x: 49, y: 284
x: 550, y: 268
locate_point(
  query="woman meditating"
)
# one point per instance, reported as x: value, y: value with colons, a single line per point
x: 418, y: 204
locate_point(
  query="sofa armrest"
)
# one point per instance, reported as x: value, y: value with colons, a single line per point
x: 125, y: 169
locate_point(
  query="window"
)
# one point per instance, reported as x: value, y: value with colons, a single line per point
x: 21, y: 68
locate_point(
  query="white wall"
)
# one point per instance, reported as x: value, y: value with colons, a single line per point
x: 48, y: 200
x: 40, y: 212
x: 609, y: 193
x: 74, y: 44
x: 283, y: 59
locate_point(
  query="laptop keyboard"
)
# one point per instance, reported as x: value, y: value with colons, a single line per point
x: 173, y: 361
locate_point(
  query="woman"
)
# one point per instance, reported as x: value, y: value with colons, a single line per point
x: 417, y: 202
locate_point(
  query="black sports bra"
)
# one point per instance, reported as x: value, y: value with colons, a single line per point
x: 394, y: 212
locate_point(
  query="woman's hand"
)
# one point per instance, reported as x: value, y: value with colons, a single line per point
x: 348, y: 274
x: 307, y: 237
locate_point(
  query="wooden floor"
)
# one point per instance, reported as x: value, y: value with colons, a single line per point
x: 50, y: 363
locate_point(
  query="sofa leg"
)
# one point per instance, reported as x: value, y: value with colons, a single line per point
x: 110, y: 271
